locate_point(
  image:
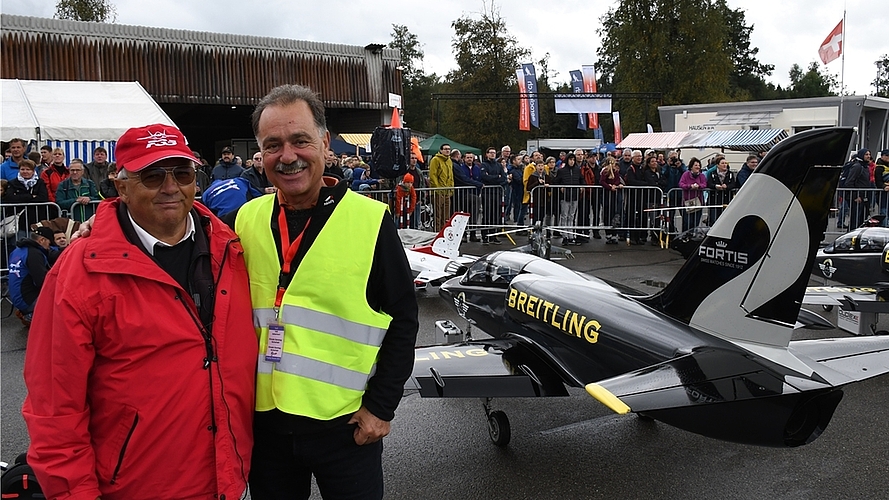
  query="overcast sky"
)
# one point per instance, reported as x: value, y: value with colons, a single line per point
x: 786, y: 32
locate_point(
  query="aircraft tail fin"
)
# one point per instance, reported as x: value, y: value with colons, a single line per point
x: 447, y: 242
x: 748, y: 277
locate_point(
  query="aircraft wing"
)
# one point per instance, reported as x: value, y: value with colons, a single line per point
x: 834, y: 295
x: 484, y: 369
x: 719, y: 376
x: 429, y: 276
x: 858, y: 358
x: 704, y: 377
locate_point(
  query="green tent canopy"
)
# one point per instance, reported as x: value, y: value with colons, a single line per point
x: 431, y: 145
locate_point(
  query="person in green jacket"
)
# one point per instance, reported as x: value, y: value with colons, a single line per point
x: 441, y: 177
x: 76, y: 194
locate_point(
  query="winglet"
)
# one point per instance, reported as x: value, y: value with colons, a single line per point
x: 607, y: 398
x: 447, y: 241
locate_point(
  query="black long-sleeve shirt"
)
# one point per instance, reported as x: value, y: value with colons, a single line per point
x: 389, y: 289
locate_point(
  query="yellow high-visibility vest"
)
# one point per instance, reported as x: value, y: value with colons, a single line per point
x: 331, y: 335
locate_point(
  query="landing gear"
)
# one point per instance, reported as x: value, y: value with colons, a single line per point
x: 498, y: 425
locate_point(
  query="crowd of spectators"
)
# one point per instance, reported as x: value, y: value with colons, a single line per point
x: 496, y: 188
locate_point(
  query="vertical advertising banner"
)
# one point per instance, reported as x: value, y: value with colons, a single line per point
x: 589, y: 86
x: 524, y: 115
x: 618, y: 136
x: 577, y: 87
x: 531, y: 88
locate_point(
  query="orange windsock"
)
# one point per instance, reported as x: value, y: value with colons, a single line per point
x: 396, y: 120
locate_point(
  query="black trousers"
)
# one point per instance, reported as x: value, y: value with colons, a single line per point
x: 283, y: 466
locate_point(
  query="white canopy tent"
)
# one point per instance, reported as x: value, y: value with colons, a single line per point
x: 77, y: 116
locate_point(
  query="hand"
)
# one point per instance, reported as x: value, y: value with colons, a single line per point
x: 370, y: 428
x: 83, y: 200
x: 84, y: 230
x: 271, y: 189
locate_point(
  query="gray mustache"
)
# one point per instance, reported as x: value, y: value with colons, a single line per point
x: 289, y: 168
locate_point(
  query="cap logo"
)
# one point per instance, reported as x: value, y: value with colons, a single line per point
x: 161, y: 138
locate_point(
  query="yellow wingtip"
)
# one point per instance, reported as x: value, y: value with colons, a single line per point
x: 607, y: 398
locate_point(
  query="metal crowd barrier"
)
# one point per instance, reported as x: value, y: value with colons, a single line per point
x: 853, y: 206
x: 714, y: 202
x: 436, y: 205
x: 628, y: 209
x: 16, y: 224
x: 585, y: 208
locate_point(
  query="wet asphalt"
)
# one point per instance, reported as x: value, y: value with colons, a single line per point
x: 573, y: 447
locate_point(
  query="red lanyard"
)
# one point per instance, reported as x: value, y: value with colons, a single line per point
x: 288, y: 249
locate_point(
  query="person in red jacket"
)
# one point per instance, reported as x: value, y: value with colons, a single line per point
x: 141, y: 359
x: 55, y: 173
x: 405, y: 200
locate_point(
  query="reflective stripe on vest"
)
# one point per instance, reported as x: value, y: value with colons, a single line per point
x: 322, y: 322
x: 331, y: 335
x: 320, y: 371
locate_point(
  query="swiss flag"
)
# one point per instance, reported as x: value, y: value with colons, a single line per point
x: 832, y: 46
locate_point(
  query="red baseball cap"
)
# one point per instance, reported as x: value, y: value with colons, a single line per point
x: 139, y: 147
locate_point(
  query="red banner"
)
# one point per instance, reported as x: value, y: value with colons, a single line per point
x: 618, y: 136
x: 524, y: 105
x: 589, y: 86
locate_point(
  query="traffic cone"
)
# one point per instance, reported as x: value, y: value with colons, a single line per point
x: 396, y: 119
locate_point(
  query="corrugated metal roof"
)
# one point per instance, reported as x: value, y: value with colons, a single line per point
x: 653, y: 140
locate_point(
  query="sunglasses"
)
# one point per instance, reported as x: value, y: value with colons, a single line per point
x: 154, y: 177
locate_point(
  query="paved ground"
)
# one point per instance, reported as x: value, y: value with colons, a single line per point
x: 573, y: 447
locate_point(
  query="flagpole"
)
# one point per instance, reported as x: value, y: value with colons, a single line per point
x: 842, y: 65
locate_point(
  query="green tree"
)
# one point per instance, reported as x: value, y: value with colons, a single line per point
x: 487, y: 57
x: 99, y: 11
x: 881, y: 82
x: 673, y: 47
x: 811, y: 83
x: 417, y: 85
x: 747, y: 79
x: 691, y: 51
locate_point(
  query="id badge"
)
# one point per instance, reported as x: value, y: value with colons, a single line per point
x: 276, y: 343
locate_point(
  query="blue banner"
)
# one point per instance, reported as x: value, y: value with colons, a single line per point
x: 577, y: 87
x: 531, y: 88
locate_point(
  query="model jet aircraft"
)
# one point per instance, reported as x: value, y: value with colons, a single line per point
x: 711, y: 353
x: 859, y: 260
x: 540, y: 242
x: 856, y: 258
x: 436, y: 257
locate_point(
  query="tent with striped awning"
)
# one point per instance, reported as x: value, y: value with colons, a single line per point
x: 75, y: 116
x: 733, y: 140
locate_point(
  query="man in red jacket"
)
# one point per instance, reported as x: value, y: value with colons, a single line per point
x: 141, y: 358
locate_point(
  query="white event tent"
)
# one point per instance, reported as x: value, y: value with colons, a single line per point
x: 76, y: 116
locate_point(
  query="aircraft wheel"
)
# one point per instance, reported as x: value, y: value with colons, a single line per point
x: 644, y: 418
x: 881, y: 332
x: 498, y: 428
x: 827, y: 308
